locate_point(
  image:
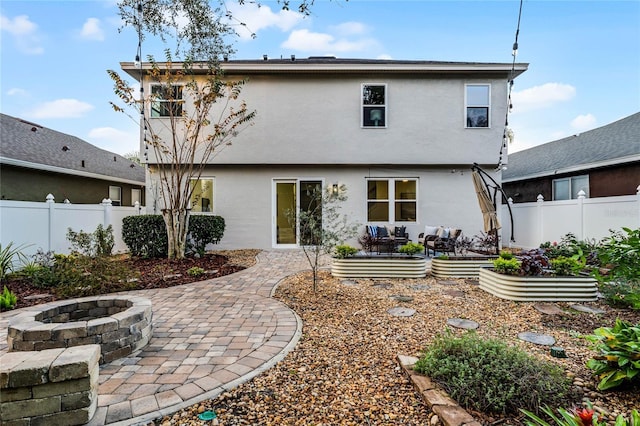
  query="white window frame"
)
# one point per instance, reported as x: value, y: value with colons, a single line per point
x: 213, y: 195
x: 159, y: 102
x: 571, y: 180
x: 392, y: 200
x: 468, y: 104
x: 116, y: 201
x: 369, y: 107
x: 137, y: 197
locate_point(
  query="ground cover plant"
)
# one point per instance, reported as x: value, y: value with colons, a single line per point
x: 487, y: 375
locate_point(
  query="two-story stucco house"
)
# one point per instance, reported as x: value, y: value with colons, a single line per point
x: 401, y: 135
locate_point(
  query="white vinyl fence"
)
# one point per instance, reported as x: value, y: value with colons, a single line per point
x: 586, y: 218
x: 36, y: 225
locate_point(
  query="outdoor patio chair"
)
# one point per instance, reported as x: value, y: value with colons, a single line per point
x: 430, y: 233
x: 384, y: 238
x: 445, y: 241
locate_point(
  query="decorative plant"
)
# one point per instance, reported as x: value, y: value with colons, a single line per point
x: 344, y: 250
x: 367, y: 242
x: 533, y: 262
x: 578, y: 417
x: 411, y: 248
x: 8, y: 300
x: 566, y: 266
x: 195, y: 271
x: 506, y: 264
x: 8, y: 256
x: 98, y: 243
x: 619, y: 358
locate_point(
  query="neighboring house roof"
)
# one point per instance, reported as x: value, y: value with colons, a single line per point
x: 30, y: 145
x: 615, y: 143
x: 332, y: 65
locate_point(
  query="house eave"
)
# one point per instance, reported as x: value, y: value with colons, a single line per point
x: 338, y: 66
x: 576, y: 168
x: 55, y: 169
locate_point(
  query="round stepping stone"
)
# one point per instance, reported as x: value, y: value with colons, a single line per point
x: 401, y: 312
x: 383, y: 285
x: 537, y: 338
x: 349, y: 282
x: 587, y: 309
x: 462, y: 323
x: 420, y: 287
x: 454, y: 293
x: 401, y: 298
x: 548, y: 308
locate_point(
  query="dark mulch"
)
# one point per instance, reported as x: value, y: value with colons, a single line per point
x: 153, y: 273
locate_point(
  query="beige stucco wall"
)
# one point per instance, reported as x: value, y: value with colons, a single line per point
x: 311, y: 120
x: 244, y: 195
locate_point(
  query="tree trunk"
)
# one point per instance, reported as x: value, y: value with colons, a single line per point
x: 177, y: 222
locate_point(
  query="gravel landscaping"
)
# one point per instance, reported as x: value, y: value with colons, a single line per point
x: 344, y: 370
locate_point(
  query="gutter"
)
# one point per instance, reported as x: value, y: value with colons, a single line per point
x: 577, y: 168
x: 62, y: 170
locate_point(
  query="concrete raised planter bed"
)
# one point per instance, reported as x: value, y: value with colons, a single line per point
x: 460, y: 266
x: 396, y: 266
x: 534, y: 289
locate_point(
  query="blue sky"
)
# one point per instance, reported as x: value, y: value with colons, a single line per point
x: 584, y: 56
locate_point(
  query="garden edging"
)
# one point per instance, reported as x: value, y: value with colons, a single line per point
x: 447, y: 409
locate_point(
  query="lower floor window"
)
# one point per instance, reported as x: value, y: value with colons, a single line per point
x: 392, y: 200
x: 201, y: 195
x: 136, y: 195
x: 568, y: 188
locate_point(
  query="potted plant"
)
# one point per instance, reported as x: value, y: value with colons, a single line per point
x: 529, y: 276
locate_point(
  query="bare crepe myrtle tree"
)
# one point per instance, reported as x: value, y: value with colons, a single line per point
x: 188, y: 137
x: 321, y: 226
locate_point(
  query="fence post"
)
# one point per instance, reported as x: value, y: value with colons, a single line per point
x: 581, y: 197
x: 106, y: 203
x: 540, y: 201
x: 51, y: 204
x: 138, y: 207
x: 638, y: 196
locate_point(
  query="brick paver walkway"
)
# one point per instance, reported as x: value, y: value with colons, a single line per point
x: 208, y: 337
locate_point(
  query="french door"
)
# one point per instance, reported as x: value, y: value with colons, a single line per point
x: 291, y: 196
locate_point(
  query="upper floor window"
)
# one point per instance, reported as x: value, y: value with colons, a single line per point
x: 478, y: 103
x: 166, y: 101
x: 136, y: 195
x: 374, y: 105
x: 115, y: 195
x: 568, y: 188
x: 391, y: 200
x: 201, y: 195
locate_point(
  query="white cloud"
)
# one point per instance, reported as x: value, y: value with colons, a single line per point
x: 24, y: 32
x: 305, y: 40
x: 16, y: 91
x: 584, y: 122
x: 249, y: 19
x: 544, y: 96
x: 114, y: 140
x: 384, y: 56
x: 61, y: 108
x: 92, y: 30
x: 350, y: 28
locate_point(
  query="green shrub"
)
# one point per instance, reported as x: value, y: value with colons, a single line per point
x: 621, y: 253
x: 145, y: 235
x: 411, y: 248
x: 7, y: 299
x: 195, y: 271
x: 204, y: 230
x: 619, y: 358
x: 506, y: 266
x: 507, y: 255
x: 566, y: 266
x: 344, y: 250
x: 489, y: 376
x: 623, y: 294
x: 98, y: 243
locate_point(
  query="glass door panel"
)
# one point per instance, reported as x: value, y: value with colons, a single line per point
x: 285, y: 204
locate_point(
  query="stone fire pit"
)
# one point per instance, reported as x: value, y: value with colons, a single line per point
x: 119, y: 324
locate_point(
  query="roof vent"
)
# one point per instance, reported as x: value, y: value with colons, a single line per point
x: 265, y: 57
x: 114, y: 158
x: 65, y: 148
x: 34, y: 129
